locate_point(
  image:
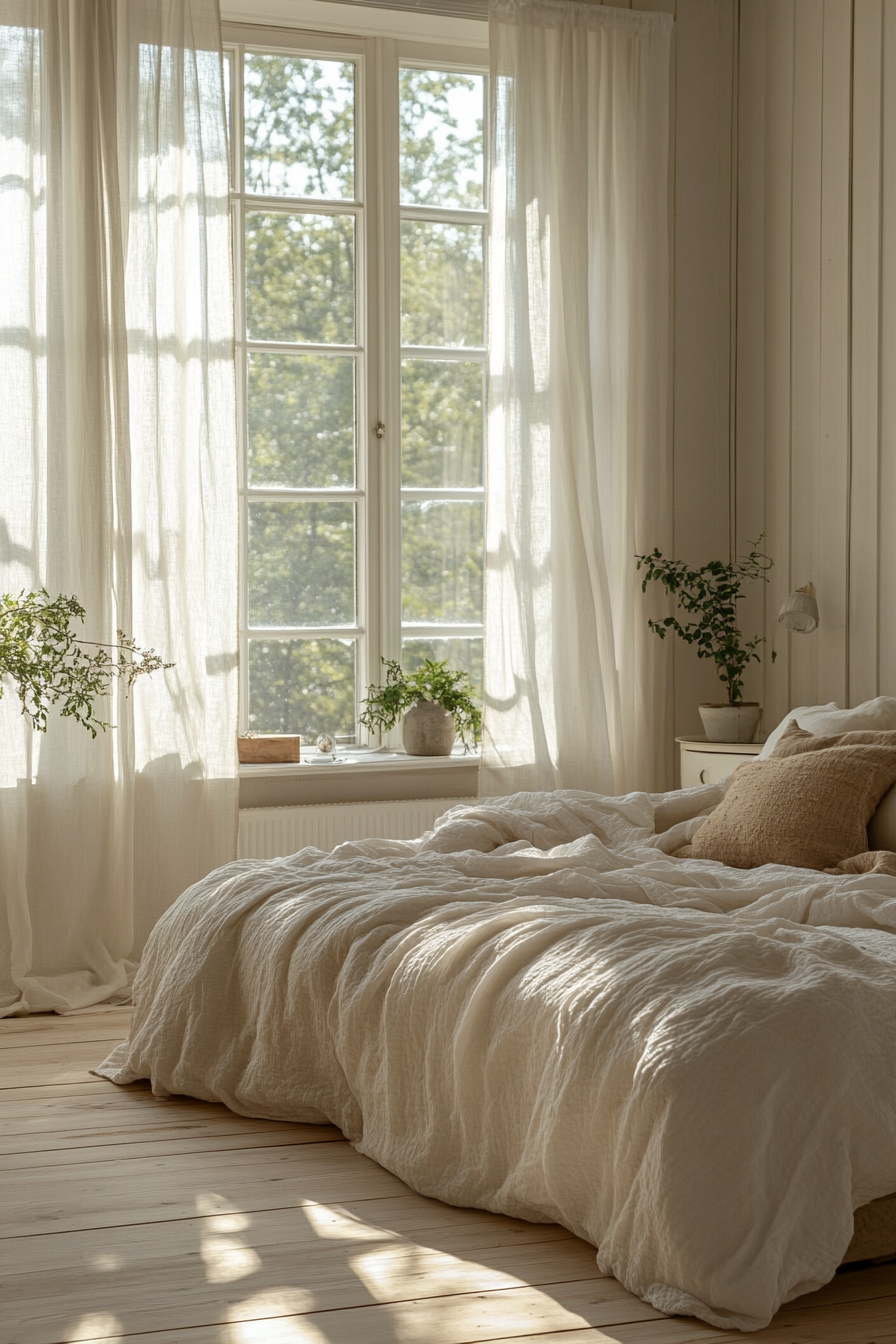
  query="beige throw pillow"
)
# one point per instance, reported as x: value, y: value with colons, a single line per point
x: 807, y: 806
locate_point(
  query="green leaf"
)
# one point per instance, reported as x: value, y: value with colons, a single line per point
x: 711, y: 593
x: 49, y: 664
x: 384, y: 705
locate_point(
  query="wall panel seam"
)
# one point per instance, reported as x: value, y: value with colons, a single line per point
x: 849, y: 336
x: 733, y: 294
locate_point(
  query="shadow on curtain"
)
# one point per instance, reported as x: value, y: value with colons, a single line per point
x: 119, y: 472
x: 576, y: 689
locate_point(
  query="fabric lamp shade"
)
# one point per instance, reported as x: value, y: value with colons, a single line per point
x: 799, y: 612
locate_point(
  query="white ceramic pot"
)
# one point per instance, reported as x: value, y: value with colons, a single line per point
x: 428, y: 730
x: 731, y: 723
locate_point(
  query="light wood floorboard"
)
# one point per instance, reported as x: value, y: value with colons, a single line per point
x: 127, y: 1217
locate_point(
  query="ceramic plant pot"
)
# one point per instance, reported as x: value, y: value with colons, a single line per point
x: 731, y: 723
x: 428, y: 730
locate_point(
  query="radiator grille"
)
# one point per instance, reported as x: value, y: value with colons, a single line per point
x: 271, y: 832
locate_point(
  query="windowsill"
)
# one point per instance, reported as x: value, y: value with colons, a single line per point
x: 359, y: 775
x: 359, y: 761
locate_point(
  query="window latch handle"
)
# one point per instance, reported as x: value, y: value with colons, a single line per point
x: 379, y: 429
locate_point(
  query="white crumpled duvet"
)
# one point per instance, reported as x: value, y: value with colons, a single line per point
x: 535, y: 1010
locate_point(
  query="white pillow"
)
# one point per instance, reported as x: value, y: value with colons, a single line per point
x: 802, y: 715
x: 827, y: 720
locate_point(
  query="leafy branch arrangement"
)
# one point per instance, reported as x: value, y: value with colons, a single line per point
x: 50, y: 664
x: 711, y: 593
x: 385, y: 705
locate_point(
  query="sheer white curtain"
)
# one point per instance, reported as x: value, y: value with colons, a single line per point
x: 118, y: 471
x: 578, y: 477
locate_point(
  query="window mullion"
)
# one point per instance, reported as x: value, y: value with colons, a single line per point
x: 388, y: 446
x: 301, y: 494
x: 461, y: 353
x: 306, y: 631
x: 239, y: 278
x: 293, y: 205
x: 435, y: 214
x: 301, y: 348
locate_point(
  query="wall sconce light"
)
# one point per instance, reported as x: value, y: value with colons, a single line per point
x: 799, y: 613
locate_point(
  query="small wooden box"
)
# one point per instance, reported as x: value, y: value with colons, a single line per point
x: 269, y: 749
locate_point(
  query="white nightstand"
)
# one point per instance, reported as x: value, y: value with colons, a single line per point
x: 705, y: 762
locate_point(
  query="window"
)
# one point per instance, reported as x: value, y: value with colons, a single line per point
x: 359, y: 221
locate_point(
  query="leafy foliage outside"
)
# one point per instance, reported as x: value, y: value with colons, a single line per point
x: 442, y: 284
x: 385, y: 705
x: 441, y: 158
x: 441, y: 423
x: 301, y: 563
x: 711, y: 593
x: 442, y: 561
x: 302, y: 420
x: 51, y: 665
x: 463, y: 653
x: 300, y: 277
x: 300, y: 125
x: 304, y: 686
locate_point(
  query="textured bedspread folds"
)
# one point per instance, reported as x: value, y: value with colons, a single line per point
x: 536, y: 1010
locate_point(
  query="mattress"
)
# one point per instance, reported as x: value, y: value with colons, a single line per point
x: 874, y: 1237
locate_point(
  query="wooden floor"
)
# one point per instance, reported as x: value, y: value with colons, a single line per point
x: 122, y: 1215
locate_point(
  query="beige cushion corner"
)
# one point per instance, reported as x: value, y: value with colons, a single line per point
x: 806, y: 806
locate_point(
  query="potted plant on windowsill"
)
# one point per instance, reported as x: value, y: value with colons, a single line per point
x: 50, y: 664
x: 439, y: 704
x: 710, y: 595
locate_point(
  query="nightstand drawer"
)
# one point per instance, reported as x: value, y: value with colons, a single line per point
x: 698, y: 767
x: 707, y: 762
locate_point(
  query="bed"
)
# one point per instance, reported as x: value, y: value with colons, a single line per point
x: 536, y: 1009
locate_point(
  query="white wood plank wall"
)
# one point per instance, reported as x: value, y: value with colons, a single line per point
x: 784, y: 277
x: 816, y: 334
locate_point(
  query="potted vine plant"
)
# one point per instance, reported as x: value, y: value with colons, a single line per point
x: 710, y: 595
x: 50, y: 664
x: 439, y: 704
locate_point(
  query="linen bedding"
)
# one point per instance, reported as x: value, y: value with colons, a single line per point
x: 536, y: 1010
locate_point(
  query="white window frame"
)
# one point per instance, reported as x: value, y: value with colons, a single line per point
x: 378, y: 494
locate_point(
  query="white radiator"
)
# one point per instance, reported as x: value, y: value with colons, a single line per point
x: 270, y: 832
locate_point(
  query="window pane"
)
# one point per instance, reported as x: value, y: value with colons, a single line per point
x: 300, y: 127
x: 441, y: 284
x: 441, y: 561
x: 441, y: 138
x: 302, y: 686
x: 301, y: 564
x: 301, y: 420
x: 462, y: 655
x: 300, y: 277
x: 441, y: 423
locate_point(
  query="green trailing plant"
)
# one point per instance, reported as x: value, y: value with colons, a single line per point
x: 384, y: 705
x: 710, y: 595
x: 50, y: 664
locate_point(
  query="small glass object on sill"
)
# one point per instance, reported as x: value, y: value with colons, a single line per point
x: 326, y: 748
